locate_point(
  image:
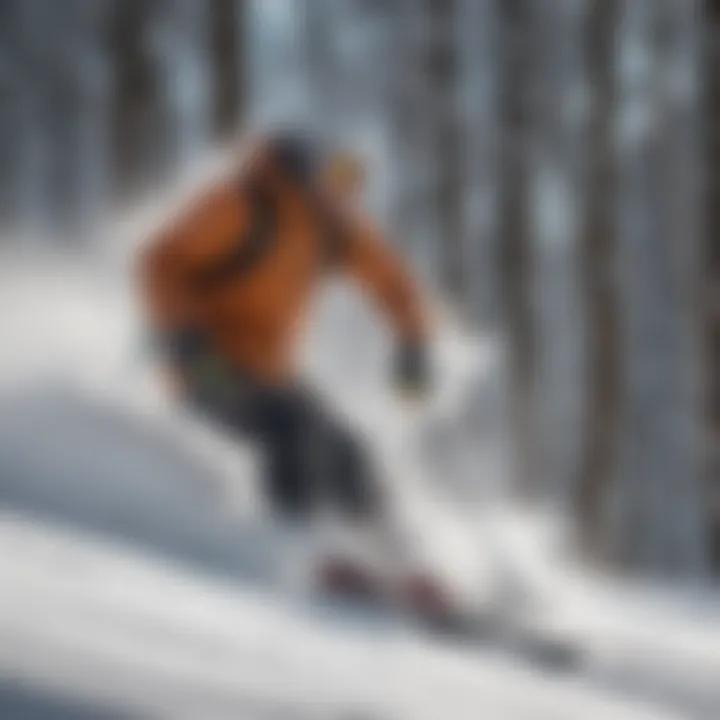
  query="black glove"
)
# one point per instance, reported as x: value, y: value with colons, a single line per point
x: 412, y: 371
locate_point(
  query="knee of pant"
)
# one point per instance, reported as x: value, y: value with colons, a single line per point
x: 288, y: 496
x: 350, y: 456
x: 354, y: 478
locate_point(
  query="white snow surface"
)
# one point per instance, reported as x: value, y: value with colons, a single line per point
x: 120, y: 630
x: 135, y: 555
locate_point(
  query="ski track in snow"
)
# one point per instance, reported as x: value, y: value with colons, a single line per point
x: 135, y: 579
x: 143, y: 637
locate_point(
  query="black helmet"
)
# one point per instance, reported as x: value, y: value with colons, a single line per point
x: 297, y: 155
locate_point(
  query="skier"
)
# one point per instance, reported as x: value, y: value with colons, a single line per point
x: 227, y: 286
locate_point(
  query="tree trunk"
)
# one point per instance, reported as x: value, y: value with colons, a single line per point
x: 321, y: 70
x: 478, y: 81
x: 228, y: 62
x: 711, y: 261
x: 557, y: 182
x: 182, y: 54
x: 401, y: 118
x: 598, y: 257
x: 139, y: 127
x: 411, y: 216
x: 515, y: 20
x: 658, y: 523
x: 442, y: 71
x: 10, y: 126
x: 34, y: 116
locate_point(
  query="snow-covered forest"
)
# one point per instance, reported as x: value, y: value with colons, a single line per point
x: 547, y: 165
x: 551, y: 169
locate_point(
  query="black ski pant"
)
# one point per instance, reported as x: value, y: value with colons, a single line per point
x: 310, y: 458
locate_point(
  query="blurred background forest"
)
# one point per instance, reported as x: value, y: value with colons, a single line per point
x: 552, y: 166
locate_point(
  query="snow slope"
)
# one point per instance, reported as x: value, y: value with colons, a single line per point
x: 88, y: 619
x: 137, y: 574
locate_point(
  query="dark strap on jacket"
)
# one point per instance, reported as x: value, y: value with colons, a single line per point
x: 333, y: 233
x: 261, y: 236
x: 254, y: 245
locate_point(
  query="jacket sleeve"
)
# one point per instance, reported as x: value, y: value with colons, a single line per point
x: 370, y: 260
x: 168, y: 266
x: 160, y: 273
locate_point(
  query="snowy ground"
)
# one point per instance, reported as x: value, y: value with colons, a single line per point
x: 112, y: 629
x: 136, y: 574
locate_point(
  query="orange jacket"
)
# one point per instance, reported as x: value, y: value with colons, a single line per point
x: 244, y: 260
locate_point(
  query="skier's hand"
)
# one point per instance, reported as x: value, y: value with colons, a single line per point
x: 192, y: 362
x: 411, y: 373
x: 185, y: 347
